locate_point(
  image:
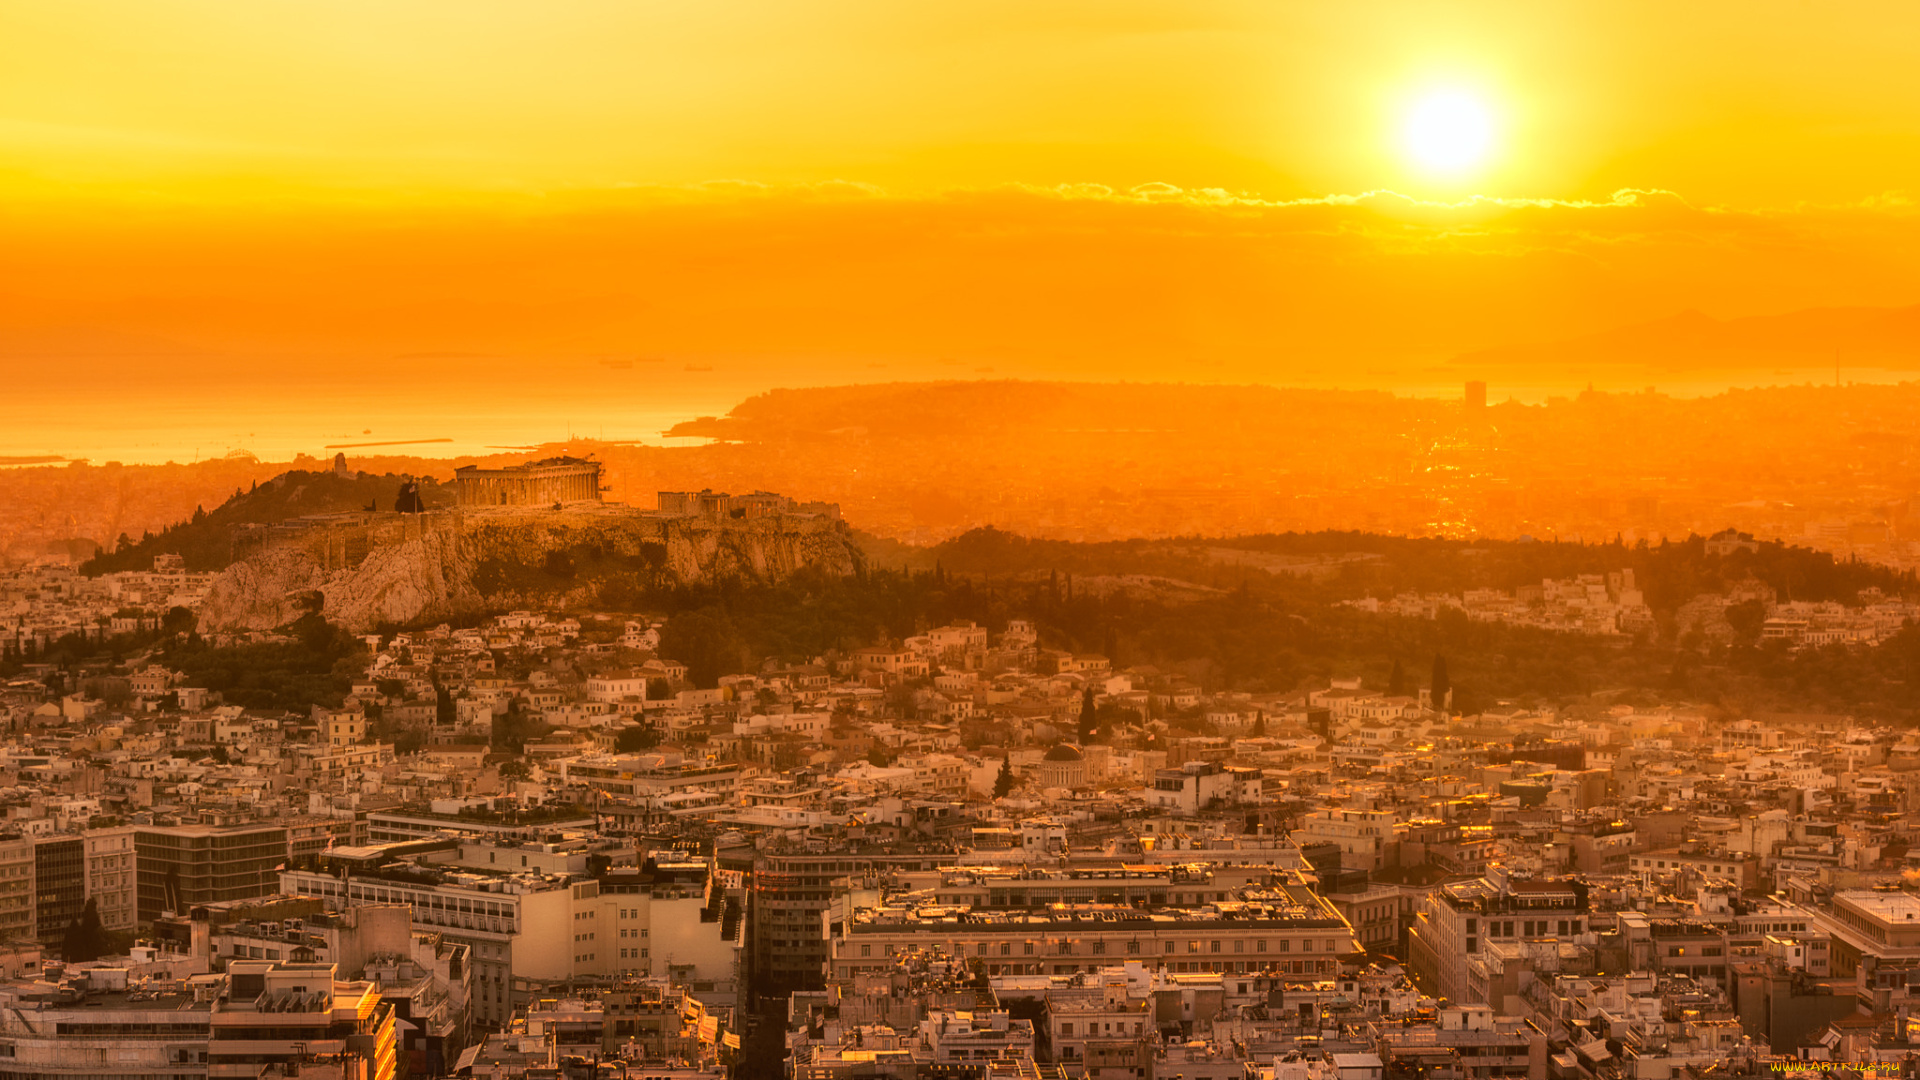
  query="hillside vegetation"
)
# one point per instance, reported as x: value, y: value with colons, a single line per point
x: 203, y: 540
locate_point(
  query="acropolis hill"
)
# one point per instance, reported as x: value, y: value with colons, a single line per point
x: 511, y: 542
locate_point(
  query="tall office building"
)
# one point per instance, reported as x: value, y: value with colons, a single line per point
x: 59, y: 885
x: 180, y: 866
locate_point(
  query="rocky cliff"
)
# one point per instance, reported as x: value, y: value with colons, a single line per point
x: 361, y: 571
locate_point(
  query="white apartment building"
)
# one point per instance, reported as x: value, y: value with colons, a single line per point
x: 111, y: 881
x: 1365, y: 837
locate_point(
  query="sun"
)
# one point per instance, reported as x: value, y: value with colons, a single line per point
x: 1449, y: 132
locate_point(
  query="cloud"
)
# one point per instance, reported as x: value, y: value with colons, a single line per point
x: 1082, y: 280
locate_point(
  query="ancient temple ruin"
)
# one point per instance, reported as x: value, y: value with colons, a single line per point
x: 537, y: 483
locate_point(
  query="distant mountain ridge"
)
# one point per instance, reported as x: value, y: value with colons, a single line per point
x: 1883, y: 336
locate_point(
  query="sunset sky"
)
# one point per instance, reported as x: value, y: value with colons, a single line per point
x: 834, y: 190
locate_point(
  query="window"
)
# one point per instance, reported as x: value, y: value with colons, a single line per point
x: 1260, y: 946
x: 1240, y: 945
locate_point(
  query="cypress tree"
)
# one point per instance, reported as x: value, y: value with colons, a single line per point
x: 1441, y: 684
x: 85, y: 939
x: 1003, y: 783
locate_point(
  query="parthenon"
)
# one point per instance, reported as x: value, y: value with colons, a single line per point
x: 537, y: 483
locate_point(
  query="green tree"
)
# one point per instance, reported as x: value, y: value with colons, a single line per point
x: 1003, y: 783
x: 1397, y: 680
x: 1260, y: 725
x: 1441, y: 683
x: 635, y: 738
x: 179, y: 620
x: 85, y: 938
x: 708, y: 644
x: 1089, y: 718
x: 1747, y: 618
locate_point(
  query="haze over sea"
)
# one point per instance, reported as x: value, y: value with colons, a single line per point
x: 150, y: 425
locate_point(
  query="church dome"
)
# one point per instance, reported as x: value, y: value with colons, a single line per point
x: 1064, y: 752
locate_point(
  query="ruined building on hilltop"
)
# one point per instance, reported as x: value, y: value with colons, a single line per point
x: 537, y: 483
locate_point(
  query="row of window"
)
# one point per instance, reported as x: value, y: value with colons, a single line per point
x: 1216, y: 967
x: 1528, y: 927
x: 1170, y: 947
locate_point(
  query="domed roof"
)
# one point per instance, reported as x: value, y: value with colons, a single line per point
x: 1065, y: 752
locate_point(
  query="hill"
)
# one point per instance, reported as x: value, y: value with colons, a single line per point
x: 204, y: 540
x: 1329, y: 566
x: 1246, y: 627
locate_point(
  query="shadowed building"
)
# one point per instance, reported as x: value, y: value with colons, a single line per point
x: 537, y: 483
x: 59, y: 885
x: 182, y: 866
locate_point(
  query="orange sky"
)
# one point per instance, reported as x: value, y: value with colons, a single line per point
x: 810, y: 191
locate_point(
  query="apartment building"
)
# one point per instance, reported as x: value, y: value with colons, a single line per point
x: 514, y: 926
x: 180, y: 866
x: 1282, y: 927
x: 1367, y: 839
x: 289, y: 1014
x: 111, y: 881
x: 794, y: 887
x: 18, y: 909
x: 1457, y: 923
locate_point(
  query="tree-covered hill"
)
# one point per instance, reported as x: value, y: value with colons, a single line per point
x: 1332, y: 566
x: 203, y: 540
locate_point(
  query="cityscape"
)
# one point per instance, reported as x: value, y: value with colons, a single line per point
x: 1122, y: 540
